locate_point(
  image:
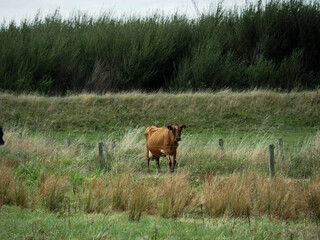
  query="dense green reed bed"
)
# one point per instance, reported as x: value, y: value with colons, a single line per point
x: 16, y: 223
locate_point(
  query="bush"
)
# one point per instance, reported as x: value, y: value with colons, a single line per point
x: 272, y: 45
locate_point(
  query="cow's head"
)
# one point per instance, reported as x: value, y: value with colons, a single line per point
x: 1, y: 135
x: 176, y: 130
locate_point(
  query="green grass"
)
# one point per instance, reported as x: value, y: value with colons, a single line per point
x: 16, y: 223
x: 201, y: 112
x: 247, y: 121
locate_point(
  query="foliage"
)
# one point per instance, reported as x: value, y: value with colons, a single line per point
x: 274, y: 45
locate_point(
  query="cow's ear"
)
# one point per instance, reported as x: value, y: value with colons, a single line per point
x: 170, y: 128
x: 183, y: 126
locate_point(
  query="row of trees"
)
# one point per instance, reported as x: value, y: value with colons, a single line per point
x: 272, y: 45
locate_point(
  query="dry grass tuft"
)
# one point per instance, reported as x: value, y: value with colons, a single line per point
x: 229, y: 195
x: 312, y: 198
x: 19, y: 194
x: 237, y: 194
x: 53, y: 191
x: 7, y: 162
x: 7, y: 180
x: 277, y: 198
x: 119, y: 192
x: 96, y: 200
x: 12, y: 191
x: 175, y: 195
x: 142, y: 199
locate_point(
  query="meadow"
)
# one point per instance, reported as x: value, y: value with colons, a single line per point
x: 53, y: 184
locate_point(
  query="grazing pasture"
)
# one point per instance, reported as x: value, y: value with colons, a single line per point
x: 51, y: 167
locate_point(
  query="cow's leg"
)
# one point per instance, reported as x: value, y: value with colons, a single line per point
x: 174, y: 160
x: 158, y: 164
x: 148, y: 160
x: 170, y: 162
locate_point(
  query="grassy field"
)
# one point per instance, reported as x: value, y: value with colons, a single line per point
x: 36, y: 224
x: 213, y: 193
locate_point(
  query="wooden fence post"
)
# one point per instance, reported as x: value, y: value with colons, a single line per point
x: 105, y: 151
x: 101, y: 155
x: 271, y: 161
x: 280, y: 142
x: 221, y: 144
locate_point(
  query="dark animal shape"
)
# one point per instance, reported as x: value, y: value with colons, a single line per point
x: 1, y: 135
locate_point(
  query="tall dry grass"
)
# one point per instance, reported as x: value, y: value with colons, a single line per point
x: 12, y: 190
x: 230, y: 195
x: 96, y: 199
x: 53, y: 191
x: 142, y: 199
x: 235, y: 195
x: 175, y: 195
x: 311, y: 196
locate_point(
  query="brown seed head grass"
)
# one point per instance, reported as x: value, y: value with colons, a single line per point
x: 142, y: 199
x: 119, y: 192
x: 228, y: 195
x: 175, y: 195
x: 236, y: 194
x: 96, y: 199
x: 12, y: 191
x: 312, y: 198
x: 53, y: 191
x: 277, y: 198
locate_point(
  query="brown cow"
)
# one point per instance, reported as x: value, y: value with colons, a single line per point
x: 1, y: 135
x: 163, y: 142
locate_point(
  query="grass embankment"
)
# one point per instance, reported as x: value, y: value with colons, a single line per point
x: 199, y: 111
x: 40, y: 171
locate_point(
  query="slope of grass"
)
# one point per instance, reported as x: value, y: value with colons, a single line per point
x: 199, y: 111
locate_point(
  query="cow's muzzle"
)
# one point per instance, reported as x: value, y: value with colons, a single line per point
x: 178, y: 139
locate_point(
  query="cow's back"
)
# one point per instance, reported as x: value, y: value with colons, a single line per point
x: 156, y: 139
